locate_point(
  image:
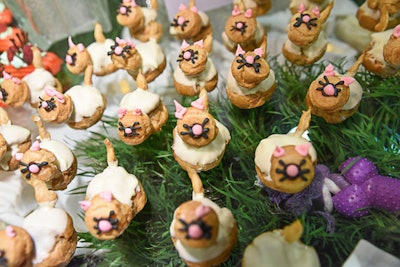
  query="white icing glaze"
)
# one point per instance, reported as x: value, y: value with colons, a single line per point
x: 16, y: 62
x: 37, y: 81
x: 308, y: 4
x: 205, y: 20
x: 267, y: 146
x: 264, y: 86
x: 14, y: 135
x: 152, y: 55
x: 114, y: 179
x: 226, y: 224
x: 270, y: 249
x: 86, y: 100
x: 64, y: 155
x: 374, y: 14
x: 149, y: 14
x: 258, y: 36
x: 378, y: 40
x: 311, y: 52
x: 247, y: 3
x: 205, y: 154
x: 206, y: 75
x: 140, y: 99
x: 98, y: 54
x: 44, y: 225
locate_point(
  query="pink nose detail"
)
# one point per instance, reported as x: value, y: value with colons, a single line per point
x: 118, y: 50
x: 34, y: 168
x: 195, y: 231
x: 181, y: 20
x: 128, y: 131
x: 292, y: 170
x: 104, y: 226
x: 197, y: 129
x: 239, y: 25
x: 1, y: 95
x: 306, y: 18
x: 329, y: 89
x: 44, y: 104
x: 250, y: 59
x: 122, y: 10
x: 187, y: 55
x: 68, y: 59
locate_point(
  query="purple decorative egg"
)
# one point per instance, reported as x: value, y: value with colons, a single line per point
x: 361, y: 170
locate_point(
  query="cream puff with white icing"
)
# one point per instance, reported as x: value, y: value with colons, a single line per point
x: 40, y: 79
x: 48, y: 161
x: 285, y: 162
x: 148, y: 57
x: 308, y: 4
x: 113, y: 198
x: 199, y: 139
x: 141, y: 21
x: 379, y: 15
x: 203, y: 233
x: 195, y: 69
x: 140, y: 114
x: 259, y: 7
x: 250, y: 82
x: 306, y: 42
x: 88, y: 103
x: 16, y: 247
x: 191, y: 24
x: 78, y: 56
x: 15, y: 139
x: 13, y: 91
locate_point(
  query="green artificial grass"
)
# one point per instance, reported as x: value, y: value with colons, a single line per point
x: 372, y: 132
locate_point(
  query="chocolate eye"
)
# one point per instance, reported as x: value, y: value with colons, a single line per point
x: 107, y: 224
x: 306, y: 19
x: 197, y: 229
x: 180, y: 21
x: 197, y: 130
x: 3, y: 259
x: 32, y: 167
x: 249, y: 61
x: 48, y: 105
x: 292, y: 171
x: 188, y: 55
x: 239, y: 26
x: 120, y: 51
x: 328, y: 88
x: 3, y: 94
x: 129, y: 131
x: 124, y: 10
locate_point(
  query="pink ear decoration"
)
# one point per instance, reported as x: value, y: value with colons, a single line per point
x: 81, y: 47
x: 35, y: 146
x: 279, y: 152
x: 119, y: 41
x: 198, y: 103
x: 182, y: 7
x: 85, y: 204
x: 396, y: 31
x: 106, y: 195
x: 18, y: 156
x: 184, y: 45
x: 235, y: 11
x: 138, y: 112
x: 258, y: 52
x: 6, y: 75
x: 301, y: 8
x: 133, y: 3
x: 239, y: 50
x: 329, y: 71
x: 180, y: 110
x: 50, y: 91
x: 249, y: 13
x: 316, y: 12
x: 347, y: 80
x: 303, y: 149
x: 194, y: 9
x: 70, y: 42
x: 122, y: 112
x: 10, y: 231
x: 16, y: 80
x: 60, y: 97
x: 202, y: 211
x: 200, y: 43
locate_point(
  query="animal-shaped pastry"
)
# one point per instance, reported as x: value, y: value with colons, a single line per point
x: 88, y: 103
x: 280, y: 247
x: 308, y: 4
x: 13, y: 91
x: 306, y: 42
x: 203, y: 233
x: 78, y: 57
x: 48, y: 161
x: 140, y: 114
x: 113, y: 198
x: 379, y: 15
x: 191, y: 24
x: 259, y: 7
x: 243, y: 28
x: 147, y: 57
x: 14, y: 139
x: 195, y: 69
x: 141, y: 21
x: 250, y: 82
x: 285, y: 162
x: 333, y: 96
x: 16, y: 247
x: 382, y: 56
x: 39, y: 79
x: 199, y: 139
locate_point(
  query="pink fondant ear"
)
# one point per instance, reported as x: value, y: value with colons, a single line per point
x: 248, y: 13
x: 239, y: 50
x: 258, y: 52
x: 316, y: 12
x: 347, y: 80
x: 138, y: 112
x: 200, y: 43
x: 133, y: 3
x: 396, y: 31
x: 18, y: 156
x: 119, y: 40
x: 303, y: 149
x: 70, y: 42
x: 301, y: 8
x: 106, y: 195
x: 329, y: 71
x: 122, y: 112
x: 235, y: 11
x: 279, y: 152
x: 194, y: 9
x: 85, y: 204
x: 180, y: 110
x: 16, y: 80
x: 184, y: 45
x: 10, y: 231
x: 182, y: 7
x: 202, y: 210
x: 81, y: 47
x: 198, y: 103
x: 35, y: 146
x: 6, y: 75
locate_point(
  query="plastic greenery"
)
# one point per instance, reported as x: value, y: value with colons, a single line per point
x: 372, y: 132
